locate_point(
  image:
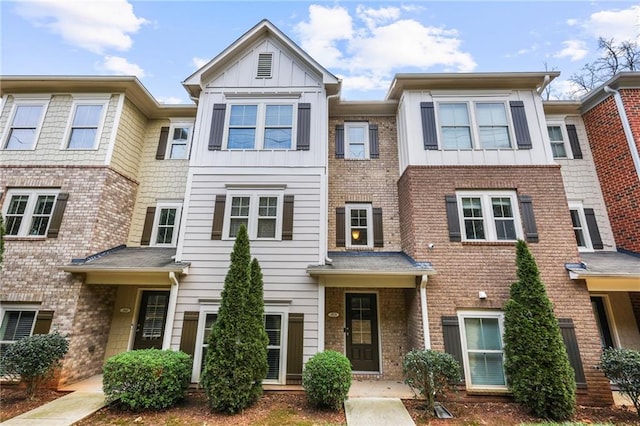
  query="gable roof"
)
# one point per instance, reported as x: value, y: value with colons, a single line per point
x: 193, y: 83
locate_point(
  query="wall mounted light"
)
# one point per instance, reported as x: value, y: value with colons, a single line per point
x: 482, y: 295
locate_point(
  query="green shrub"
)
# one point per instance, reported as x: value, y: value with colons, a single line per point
x: 147, y: 378
x: 326, y: 379
x: 622, y: 367
x: 33, y: 359
x: 430, y: 374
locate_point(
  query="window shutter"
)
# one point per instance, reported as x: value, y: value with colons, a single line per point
x: 452, y: 218
x: 162, y: 143
x: 378, y: 234
x: 374, y: 148
x: 43, y: 322
x: 218, y: 217
x: 287, y: 218
x: 568, y: 332
x: 189, y: 332
x: 58, y: 212
x: 303, y: 140
x: 594, y: 232
x: 429, y: 129
x: 340, y: 239
x: 528, y: 219
x: 523, y: 138
x: 295, y: 345
x: 217, y: 127
x: 148, y: 226
x: 574, y: 142
x: 339, y: 141
x: 452, y: 344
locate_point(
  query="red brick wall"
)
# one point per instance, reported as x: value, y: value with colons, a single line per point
x: 464, y: 269
x: 614, y: 165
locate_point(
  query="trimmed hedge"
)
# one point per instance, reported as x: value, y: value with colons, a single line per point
x: 622, y: 367
x: 147, y: 378
x: 430, y: 374
x: 326, y: 379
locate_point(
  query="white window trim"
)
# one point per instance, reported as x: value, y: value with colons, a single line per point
x: 565, y: 139
x: 18, y: 307
x: 269, y: 309
x: 254, y: 203
x: 82, y: 100
x: 473, y: 122
x: 261, y: 124
x: 156, y: 220
x: 465, y: 354
x: 347, y: 216
x: 28, y: 215
x: 25, y: 101
x: 175, y: 125
x: 347, y: 143
x: 487, y: 214
x: 577, y: 205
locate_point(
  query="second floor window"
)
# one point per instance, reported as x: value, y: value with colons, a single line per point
x: 260, y: 213
x: 25, y: 125
x: 179, y: 143
x: 357, y: 140
x: 85, y: 126
x: 28, y: 212
x: 166, y: 224
x: 557, y: 142
x: 489, y: 216
x: 474, y: 125
x: 359, y: 225
x: 260, y: 126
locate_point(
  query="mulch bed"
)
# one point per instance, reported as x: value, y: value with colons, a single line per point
x: 14, y: 401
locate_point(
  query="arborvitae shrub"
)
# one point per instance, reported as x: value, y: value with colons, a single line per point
x: 622, y: 367
x: 430, y: 374
x: 147, y: 378
x: 536, y: 361
x: 326, y: 379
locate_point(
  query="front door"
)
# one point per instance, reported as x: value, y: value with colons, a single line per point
x: 362, y: 331
x: 151, y: 320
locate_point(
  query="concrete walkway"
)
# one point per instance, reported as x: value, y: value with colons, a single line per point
x: 377, y: 403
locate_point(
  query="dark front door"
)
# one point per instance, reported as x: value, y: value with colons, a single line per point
x: 599, y: 311
x: 151, y: 320
x: 362, y: 332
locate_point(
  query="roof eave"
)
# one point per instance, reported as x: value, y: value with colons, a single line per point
x: 368, y: 272
x: 80, y: 269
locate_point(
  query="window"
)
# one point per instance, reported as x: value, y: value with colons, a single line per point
x: 479, y: 125
x: 260, y: 126
x: 16, y: 324
x: 26, y: 120
x: 489, y: 216
x: 557, y: 141
x: 273, y: 326
x: 260, y: 212
x: 357, y: 140
x: 580, y: 228
x: 28, y: 212
x: 179, y: 142
x: 86, y: 122
x: 359, y: 225
x: 481, y: 337
x: 166, y: 223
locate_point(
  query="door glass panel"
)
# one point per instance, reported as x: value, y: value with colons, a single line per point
x: 154, y: 317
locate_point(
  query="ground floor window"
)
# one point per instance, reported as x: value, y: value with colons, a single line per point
x: 481, y: 337
x: 16, y: 324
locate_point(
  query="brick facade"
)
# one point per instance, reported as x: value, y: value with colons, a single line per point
x: 465, y: 268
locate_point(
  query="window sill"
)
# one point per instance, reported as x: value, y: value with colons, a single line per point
x: 357, y: 159
x: 489, y: 243
x: 24, y: 238
x: 487, y: 392
x: 359, y: 248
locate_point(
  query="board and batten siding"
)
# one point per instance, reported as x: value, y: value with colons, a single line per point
x: 283, y: 263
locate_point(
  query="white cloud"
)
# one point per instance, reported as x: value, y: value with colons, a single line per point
x: 375, y: 17
x: 565, y: 89
x: 120, y: 66
x: 575, y: 50
x: 621, y: 25
x: 199, y: 62
x: 92, y: 25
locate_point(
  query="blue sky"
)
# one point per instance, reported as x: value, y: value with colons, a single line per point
x: 364, y: 43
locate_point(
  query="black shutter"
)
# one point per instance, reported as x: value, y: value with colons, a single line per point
x: 374, y: 149
x: 295, y: 346
x: 162, y: 143
x: 217, y: 127
x: 528, y: 219
x: 452, y: 343
x: 574, y: 142
x: 189, y: 333
x: 568, y: 332
x: 453, y: 218
x: 339, y: 141
x: 378, y: 234
x: 519, y: 117
x: 287, y: 218
x: 58, y: 213
x: 43, y: 322
x: 594, y: 232
x: 429, y: 129
x: 148, y: 226
x: 303, y: 141
x: 340, y: 239
x: 218, y: 217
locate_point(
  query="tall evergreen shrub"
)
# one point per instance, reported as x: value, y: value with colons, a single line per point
x: 236, y: 356
x: 536, y: 361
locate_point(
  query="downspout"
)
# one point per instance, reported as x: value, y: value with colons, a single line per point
x: 425, y: 314
x: 545, y: 83
x: 627, y: 128
x: 171, y: 311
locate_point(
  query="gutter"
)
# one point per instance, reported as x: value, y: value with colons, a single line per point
x: 627, y: 128
x: 545, y: 83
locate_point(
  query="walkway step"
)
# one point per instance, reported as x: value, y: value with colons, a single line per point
x: 63, y: 411
x: 377, y: 412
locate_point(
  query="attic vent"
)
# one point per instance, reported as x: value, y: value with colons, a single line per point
x: 264, y: 65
